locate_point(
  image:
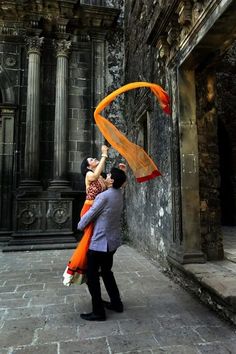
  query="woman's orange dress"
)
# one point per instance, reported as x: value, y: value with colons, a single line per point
x: 75, y: 271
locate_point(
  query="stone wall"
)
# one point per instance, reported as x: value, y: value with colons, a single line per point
x: 179, y: 45
x: 148, y: 205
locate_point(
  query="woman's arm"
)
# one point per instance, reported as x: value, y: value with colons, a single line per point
x: 94, y: 175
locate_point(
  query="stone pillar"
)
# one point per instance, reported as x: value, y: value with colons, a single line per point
x: 6, y: 166
x: 31, y: 159
x: 186, y: 243
x: 61, y: 112
x: 98, y: 83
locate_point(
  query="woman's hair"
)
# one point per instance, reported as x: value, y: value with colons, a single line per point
x: 84, y: 166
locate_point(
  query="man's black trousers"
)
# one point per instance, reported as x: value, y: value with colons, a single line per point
x: 100, y: 263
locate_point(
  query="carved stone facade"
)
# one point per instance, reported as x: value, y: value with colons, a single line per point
x: 55, y: 65
x: 187, y: 47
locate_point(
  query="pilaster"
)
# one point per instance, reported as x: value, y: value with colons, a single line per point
x: 7, y: 115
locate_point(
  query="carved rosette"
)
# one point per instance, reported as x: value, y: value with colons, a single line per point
x: 29, y: 216
x: 63, y: 48
x: 59, y: 215
x: 34, y: 44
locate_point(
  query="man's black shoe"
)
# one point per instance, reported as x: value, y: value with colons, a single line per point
x: 108, y: 305
x: 92, y: 317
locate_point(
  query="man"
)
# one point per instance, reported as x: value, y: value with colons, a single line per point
x: 105, y: 213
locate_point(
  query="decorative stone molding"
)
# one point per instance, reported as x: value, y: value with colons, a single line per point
x: 10, y: 61
x: 34, y: 44
x: 176, y: 20
x: 197, y: 9
x: 173, y: 30
x: 63, y: 48
x: 61, y: 28
x: 58, y: 214
x: 185, y: 17
x: 163, y: 48
x: 66, y: 7
x: 9, y: 28
x: 29, y: 215
x: 43, y: 215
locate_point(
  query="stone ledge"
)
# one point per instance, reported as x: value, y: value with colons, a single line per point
x: 213, y: 282
x: 55, y: 246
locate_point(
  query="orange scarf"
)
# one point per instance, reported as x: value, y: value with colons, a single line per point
x: 141, y: 164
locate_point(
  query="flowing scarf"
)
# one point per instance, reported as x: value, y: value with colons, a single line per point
x: 141, y: 164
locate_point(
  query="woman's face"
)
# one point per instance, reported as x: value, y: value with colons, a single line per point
x: 92, y: 162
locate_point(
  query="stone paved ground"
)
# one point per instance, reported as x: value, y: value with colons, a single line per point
x: 38, y: 315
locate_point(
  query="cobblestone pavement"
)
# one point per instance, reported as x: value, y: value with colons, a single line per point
x: 38, y: 315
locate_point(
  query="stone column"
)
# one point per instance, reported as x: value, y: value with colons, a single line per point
x: 31, y: 159
x: 6, y: 166
x: 61, y: 111
x: 98, y: 83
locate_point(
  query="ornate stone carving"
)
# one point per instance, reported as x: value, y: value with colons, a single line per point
x: 196, y: 10
x: 11, y: 29
x: 185, y: 17
x: 63, y: 47
x: 185, y: 12
x: 163, y: 47
x: 10, y: 61
x: 44, y: 215
x: 34, y: 44
x: 58, y: 214
x: 173, y: 35
x: 28, y: 215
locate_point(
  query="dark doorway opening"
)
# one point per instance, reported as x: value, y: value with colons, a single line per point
x: 225, y: 106
x: 227, y: 197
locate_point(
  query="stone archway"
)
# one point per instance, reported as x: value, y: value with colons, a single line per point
x: 7, y: 119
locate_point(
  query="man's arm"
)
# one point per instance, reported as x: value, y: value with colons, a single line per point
x: 93, y: 212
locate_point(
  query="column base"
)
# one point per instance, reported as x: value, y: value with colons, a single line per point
x: 30, y: 185
x: 59, y: 184
x: 185, y: 257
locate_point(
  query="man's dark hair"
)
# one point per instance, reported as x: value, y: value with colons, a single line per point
x: 118, y: 176
x: 84, y: 166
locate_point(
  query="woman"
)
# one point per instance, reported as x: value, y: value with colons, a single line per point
x: 91, y: 168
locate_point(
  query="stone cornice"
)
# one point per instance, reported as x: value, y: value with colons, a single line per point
x: 96, y: 17
x: 178, y: 23
x: 160, y: 21
x: 54, y: 18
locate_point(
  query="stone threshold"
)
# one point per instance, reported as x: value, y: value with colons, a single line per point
x: 213, y: 282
